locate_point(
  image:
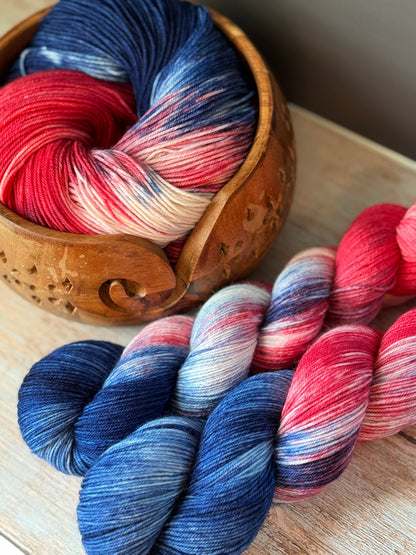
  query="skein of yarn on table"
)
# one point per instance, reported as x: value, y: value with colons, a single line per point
x: 149, y: 111
x: 348, y: 387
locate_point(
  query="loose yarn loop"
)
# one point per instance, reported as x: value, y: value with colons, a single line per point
x: 282, y: 435
x: 80, y: 153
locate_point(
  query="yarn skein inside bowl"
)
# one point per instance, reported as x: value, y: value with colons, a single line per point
x: 88, y: 155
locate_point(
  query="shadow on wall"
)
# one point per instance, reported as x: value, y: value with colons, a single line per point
x: 352, y: 61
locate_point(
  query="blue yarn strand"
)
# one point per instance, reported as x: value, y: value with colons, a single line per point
x: 145, y: 477
x: 142, y: 477
x: 138, y: 390
x: 55, y: 392
x: 68, y: 388
x: 190, y: 50
x: 233, y: 481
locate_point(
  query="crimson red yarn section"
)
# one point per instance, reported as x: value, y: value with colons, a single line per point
x: 372, y: 270
x: 52, y: 131
x: 332, y: 378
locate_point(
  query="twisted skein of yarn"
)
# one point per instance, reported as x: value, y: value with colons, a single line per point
x: 77, y: 404
x: 188, y: 367
x: 80, y: 152
x: 279, y: 435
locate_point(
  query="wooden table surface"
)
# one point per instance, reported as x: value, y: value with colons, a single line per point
x: 370, y: 509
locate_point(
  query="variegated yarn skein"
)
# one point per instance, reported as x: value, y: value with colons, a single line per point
x: 127, y: 117
x: 181, y: 453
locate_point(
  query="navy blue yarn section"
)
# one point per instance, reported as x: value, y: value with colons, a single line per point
x: 69, y: 416
x: 233, y: 480
x: 69, y: 377
x: 128, y: 494
x: 110, y: 30
x: 142, y: 42
x: 137, y: 398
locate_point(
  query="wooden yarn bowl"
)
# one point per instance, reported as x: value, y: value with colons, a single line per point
x: 122, y: 279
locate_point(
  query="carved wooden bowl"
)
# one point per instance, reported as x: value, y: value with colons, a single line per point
x: 111, y: 279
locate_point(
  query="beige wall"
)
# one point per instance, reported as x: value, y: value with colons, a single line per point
x: 352, y: 61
